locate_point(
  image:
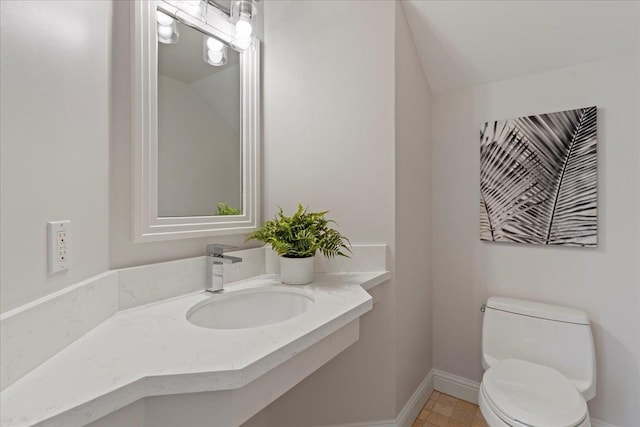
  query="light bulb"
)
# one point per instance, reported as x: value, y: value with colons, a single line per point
x: 214, y: 45
x: 242, y: 43
x: 192, y: 7
x: 215, y: 57
x: 243, y: 28
x: 164, y: 19
x: 165, y: 31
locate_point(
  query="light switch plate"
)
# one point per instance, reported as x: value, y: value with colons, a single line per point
x: 59, y: 245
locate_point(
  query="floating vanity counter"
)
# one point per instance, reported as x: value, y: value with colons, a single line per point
x: 154, y: 350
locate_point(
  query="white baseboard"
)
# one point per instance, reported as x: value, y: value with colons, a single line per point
x: 456, y: 386
x: 409, y: 412
x: 412, y: 408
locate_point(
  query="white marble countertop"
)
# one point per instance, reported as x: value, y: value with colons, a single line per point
x: 153, y: 350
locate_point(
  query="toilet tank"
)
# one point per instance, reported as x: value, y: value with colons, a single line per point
x: 550, y: 335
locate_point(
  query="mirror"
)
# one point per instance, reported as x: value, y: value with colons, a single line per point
x: 195, y: 127
x: 199, y: 138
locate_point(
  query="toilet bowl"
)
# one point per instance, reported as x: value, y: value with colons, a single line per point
x: 539, y: 365
x: 517, y: 393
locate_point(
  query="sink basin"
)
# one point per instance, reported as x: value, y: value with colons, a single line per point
x: 250, y: 308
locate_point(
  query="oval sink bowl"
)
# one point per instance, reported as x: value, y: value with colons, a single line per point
x: 249, y: 308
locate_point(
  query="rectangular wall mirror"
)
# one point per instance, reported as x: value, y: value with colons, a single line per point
x: 196, y: 122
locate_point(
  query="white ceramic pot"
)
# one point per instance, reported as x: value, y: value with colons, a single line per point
x: 296, y: 271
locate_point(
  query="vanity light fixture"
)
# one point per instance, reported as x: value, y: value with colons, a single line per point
x: 167, y: 28
x: 191, y: 12
x: 215, y: 52
x: 243, y: 13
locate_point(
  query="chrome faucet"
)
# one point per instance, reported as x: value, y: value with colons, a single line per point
x: 215, y: 262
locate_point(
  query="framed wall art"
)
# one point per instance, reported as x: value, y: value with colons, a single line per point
x: 539, y: 180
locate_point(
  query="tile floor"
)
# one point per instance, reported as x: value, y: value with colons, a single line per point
x: 442, y: 410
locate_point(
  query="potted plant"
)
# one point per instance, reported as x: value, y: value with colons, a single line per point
x: 297, y: 238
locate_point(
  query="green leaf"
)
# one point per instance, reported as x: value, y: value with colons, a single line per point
x: 225, y: 209
x: 302, y: 234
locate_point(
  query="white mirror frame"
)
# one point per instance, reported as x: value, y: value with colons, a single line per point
x: 148, y: 226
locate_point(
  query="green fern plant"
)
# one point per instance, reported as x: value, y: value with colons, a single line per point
x: 225, y: 209
x: 302, y: 234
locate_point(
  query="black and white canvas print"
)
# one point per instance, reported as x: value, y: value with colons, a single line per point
x: 538, y: 179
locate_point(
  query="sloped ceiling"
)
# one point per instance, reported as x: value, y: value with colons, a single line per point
x: 466, y: 43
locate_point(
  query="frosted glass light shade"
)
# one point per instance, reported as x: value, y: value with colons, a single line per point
x: 241, y: 44
x: 243, y: 28
x: 191, y: 11
x: 213, y: 44
x: 214, y: 51
x: 163, y: 18
x: 243, y: 13
x: 168, y: 34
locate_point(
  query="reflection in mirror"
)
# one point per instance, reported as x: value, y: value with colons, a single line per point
x: 199, y: 128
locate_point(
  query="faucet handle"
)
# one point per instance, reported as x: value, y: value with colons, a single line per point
x: 217, y: 249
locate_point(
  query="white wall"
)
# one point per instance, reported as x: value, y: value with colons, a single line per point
x: 413, y: 216
x: 54, y: 141
x: 605, y: 282
x: 198, y: 150
x: 329, y: 144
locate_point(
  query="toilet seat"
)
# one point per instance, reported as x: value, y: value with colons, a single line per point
x: 526, y: 394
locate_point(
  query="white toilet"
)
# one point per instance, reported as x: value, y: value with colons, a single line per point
x: 540, y: 365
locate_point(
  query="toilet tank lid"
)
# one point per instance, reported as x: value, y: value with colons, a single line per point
x: 539, y: 310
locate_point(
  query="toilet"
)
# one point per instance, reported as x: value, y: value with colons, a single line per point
x: 539, y: 362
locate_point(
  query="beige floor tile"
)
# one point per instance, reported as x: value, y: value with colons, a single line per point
x: 438, y: 419
x: 446, y: 400
x: 442, y: 410
x: 478, y: 419
x: 463, y: 415
x: 424, y: 414
x: 463, y: 404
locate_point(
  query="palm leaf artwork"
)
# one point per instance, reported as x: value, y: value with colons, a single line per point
x: 538, y: 179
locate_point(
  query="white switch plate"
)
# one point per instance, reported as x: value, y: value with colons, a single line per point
x: 59, y: 243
